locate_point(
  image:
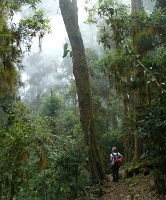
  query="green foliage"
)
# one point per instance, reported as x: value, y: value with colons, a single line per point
x: 161, y: 4
x: 51, y: 105
x: 144, y: 42
x: 155, y: 116
x: 16, y: 5
x: 35, y: 164
x: 68, y: 178
x: 91, y: 55
x: 66, y: 51
x: 71, y: 121
x: 21, y: 138
x: 12, y: 35
x: 37, y: 26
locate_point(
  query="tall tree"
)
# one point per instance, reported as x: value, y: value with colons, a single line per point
x: 69, y: 13
x: 136, y: 5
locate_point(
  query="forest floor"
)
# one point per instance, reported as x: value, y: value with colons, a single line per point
x: 135, y: 188
x: 138, y: 187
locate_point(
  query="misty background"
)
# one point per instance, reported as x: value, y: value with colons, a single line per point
x: 46, y: 69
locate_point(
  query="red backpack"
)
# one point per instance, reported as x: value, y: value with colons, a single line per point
x: 117, y: 160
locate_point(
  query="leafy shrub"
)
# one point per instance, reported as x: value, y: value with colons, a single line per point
x: 155, y: 116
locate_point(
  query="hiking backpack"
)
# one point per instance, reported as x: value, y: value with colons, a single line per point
x: 117, y: 160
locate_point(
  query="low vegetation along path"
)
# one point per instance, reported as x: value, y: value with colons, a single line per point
x: 139, y: 187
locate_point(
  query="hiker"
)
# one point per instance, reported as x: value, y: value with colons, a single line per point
x: 115, y: 166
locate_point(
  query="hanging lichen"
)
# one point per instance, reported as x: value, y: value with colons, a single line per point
x: 42, y: 161
x: 7, y: 77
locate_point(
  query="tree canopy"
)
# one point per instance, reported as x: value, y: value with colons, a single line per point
x: 14, y: 35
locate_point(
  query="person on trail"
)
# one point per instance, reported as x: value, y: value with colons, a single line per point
x: 115, y: 167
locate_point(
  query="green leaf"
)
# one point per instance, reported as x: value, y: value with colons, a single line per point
x: 71, y: 54
x: 65, y: 50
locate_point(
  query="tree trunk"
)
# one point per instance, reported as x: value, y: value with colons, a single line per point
x: 136, y: 5
x: 69, y: 13
x: 138, y: 142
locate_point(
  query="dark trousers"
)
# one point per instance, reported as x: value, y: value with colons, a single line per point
x: 115, y: 171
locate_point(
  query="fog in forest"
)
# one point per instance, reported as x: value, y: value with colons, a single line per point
x: 45, y: 68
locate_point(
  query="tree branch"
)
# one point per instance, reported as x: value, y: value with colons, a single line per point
x: 4, y: 7
x: 151, y: 76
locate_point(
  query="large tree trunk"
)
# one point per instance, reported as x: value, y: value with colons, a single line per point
x: 69, y: 13
x: 136, y: 5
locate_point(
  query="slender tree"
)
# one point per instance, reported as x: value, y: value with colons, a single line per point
x: 69, y: 13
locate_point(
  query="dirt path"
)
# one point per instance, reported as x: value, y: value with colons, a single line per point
x: 137, y: 188
x: 114, y: 190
